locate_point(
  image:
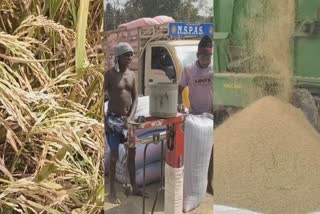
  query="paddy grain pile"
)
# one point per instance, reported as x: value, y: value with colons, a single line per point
x: 267, y: 159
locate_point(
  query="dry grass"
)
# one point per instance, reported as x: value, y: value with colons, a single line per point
x: 51, y: 131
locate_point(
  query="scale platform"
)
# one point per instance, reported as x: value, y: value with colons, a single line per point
x: 172, y: 135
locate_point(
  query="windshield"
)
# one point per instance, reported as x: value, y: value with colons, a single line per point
x: 187, y: 54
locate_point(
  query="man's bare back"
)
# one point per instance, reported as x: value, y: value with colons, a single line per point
x: 120, y: 87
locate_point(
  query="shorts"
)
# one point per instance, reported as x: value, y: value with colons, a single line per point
x: 117, y: 133
x: 114, y: 140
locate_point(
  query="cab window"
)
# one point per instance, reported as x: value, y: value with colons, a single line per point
x: 161, y: 60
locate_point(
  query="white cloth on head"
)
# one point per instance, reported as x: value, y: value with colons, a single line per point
x: 122, y: 48
x: 116, y: 64
x: 119, y: 49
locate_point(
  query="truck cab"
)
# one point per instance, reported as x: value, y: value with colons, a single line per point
x: 160, y: 52
x: 165, y: 61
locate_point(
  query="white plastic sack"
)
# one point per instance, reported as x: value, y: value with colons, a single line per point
x: 153, y: 151
x: 153, y: 154
x: 152, y: 169
x: 220, y: 209
x: 198, y: 137
x: 142, y: 107
x: 173, y: 197
x: 153, y: 173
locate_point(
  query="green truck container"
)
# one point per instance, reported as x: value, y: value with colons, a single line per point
x: 232, y: 84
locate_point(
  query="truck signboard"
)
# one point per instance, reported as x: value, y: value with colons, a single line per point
x: 180, y: 29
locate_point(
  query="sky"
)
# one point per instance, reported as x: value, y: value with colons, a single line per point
x: 209, y: 4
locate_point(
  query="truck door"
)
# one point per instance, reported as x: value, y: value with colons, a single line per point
x: 159, y: 67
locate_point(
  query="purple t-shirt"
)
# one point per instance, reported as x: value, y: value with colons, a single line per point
x: 200, y: 83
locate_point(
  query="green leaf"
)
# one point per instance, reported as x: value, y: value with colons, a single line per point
x: 81, y: 37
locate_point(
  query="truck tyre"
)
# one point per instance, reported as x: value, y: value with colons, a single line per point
x: 303, y: 100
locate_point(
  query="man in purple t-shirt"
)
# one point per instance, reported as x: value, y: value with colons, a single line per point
x: 199, y: 78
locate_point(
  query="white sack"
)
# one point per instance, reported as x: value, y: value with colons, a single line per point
x: 173, y: 196
x: 153, y: 173
x: 198, y: 136
x: 153, y: 151
x: 220, y: 209
x: 142, y: 107
x: 152, y: 169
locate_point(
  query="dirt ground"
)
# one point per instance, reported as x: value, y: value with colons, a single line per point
x: 133, y: 204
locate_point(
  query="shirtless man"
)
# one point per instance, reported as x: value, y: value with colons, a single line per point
x: 199, y: 78
x: 120, y: 88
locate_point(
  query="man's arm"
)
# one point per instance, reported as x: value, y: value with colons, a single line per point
x: 134, y: 94
x: 182, y: 84
x: 106, y: 86
x: 106, y: 98
x: 180, y: 90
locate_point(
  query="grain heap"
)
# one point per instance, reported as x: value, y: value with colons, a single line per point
x: 267, y: 159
